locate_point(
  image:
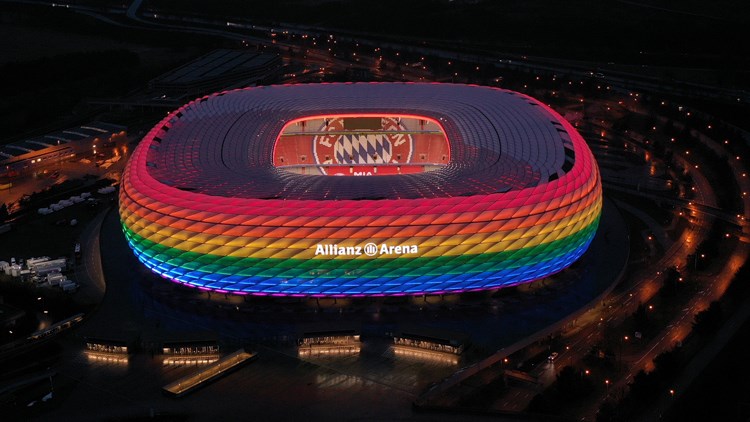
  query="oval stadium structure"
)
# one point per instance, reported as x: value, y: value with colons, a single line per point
x: 361, y: 189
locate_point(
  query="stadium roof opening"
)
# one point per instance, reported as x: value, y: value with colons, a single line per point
x: 361, y: 145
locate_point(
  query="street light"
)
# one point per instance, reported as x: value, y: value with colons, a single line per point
x: 624, y: 339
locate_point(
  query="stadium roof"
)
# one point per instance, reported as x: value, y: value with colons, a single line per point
x: 222, y: 144
x: 216, y: 63
x: 39, y: 143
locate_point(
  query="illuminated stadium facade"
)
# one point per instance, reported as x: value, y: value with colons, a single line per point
x: 462, y: 188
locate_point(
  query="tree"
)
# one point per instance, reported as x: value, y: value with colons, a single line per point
x: 644, y: 388
x: 669, y: 288
x: 571, y: 384
x: 606, y: 413
x: 708, y: 320
x: 668, y: 364
x: 640, y: 318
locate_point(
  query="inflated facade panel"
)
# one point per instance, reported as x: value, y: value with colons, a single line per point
x: 202, y: 204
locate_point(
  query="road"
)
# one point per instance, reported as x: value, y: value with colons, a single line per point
x: 590, y: 328
x: 542, y: 65
x: 675, y: 11
x: 580, y: 338
x: 712, y: 285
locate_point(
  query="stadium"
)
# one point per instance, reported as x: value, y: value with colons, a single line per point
x: 360, y: 189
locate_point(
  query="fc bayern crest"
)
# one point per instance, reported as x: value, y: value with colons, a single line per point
x: 358, y: 153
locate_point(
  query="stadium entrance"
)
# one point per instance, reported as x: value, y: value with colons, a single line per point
x: 361, y: 145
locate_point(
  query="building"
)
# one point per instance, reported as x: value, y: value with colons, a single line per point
x: 461, y: 188
x: 64, y: 144
x: 219, y: 69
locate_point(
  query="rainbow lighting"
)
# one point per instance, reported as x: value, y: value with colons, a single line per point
x: 362, y: 189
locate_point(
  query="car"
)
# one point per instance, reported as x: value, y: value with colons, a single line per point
x: 553, y: 356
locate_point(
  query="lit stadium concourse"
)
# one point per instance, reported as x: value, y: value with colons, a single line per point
x: 462, y: 188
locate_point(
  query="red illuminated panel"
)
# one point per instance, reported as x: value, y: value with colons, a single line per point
x: 468, y: 232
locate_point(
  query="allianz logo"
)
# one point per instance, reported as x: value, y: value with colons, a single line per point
x: 370, y: 249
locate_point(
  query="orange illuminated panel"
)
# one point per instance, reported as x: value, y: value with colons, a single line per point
x: 490, y: 219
